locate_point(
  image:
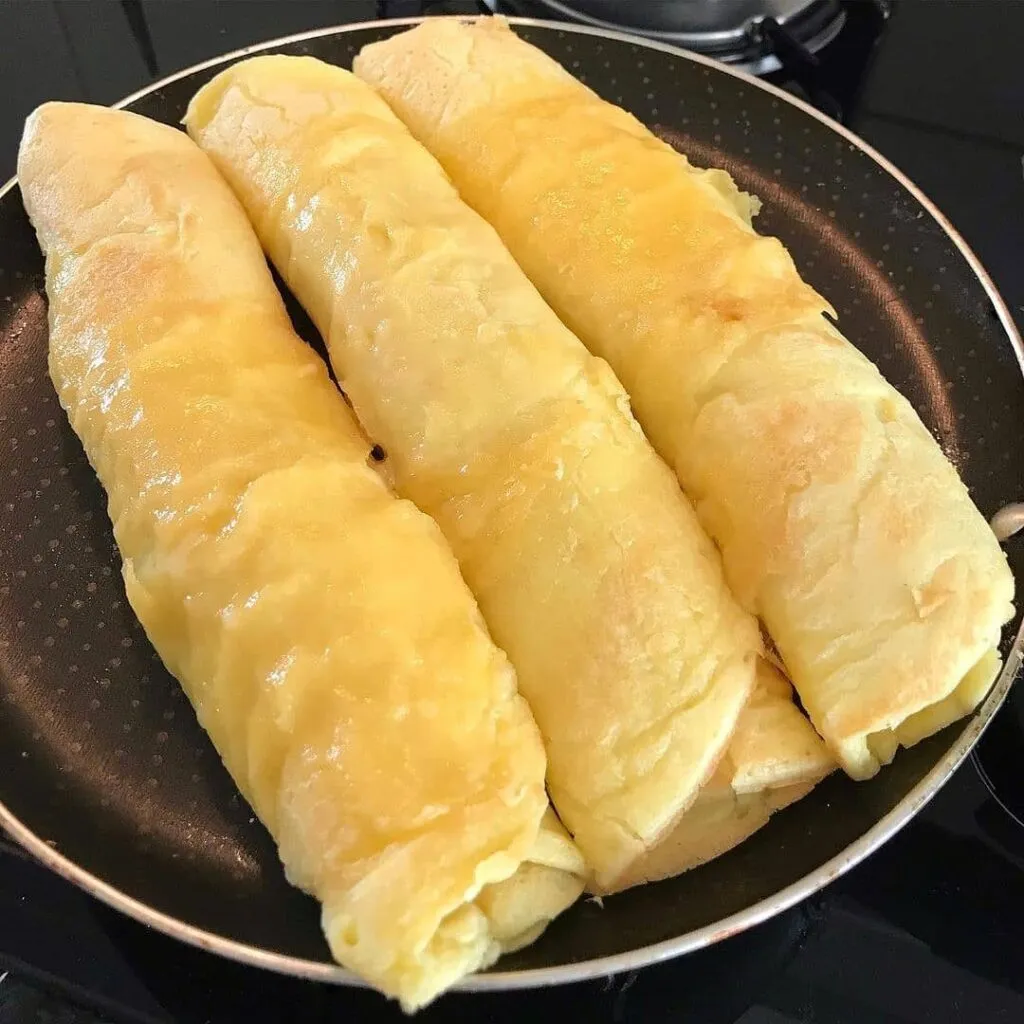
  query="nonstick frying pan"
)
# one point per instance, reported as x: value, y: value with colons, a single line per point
x: 105, y: 774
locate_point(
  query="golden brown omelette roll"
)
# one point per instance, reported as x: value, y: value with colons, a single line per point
x: 318, y: 624
x: 589, y: 564
x: 774, y: 758
x: 841, y: 523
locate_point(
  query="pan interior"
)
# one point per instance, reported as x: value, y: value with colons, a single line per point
x: 100, y: 754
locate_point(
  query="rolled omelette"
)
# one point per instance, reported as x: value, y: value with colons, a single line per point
x: 318, y: 624
x: 841, y: 523
x: 774, y: 759
x: 589, y: 564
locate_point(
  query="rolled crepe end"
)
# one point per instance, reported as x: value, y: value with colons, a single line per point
x: 619, y: 842
x: 863, y: 755
x: 712, y: 828
x: 547, y: 882
x: 462, y: 943
x: 774, y: 759
x: 521, y: 907
x: 508, y: 904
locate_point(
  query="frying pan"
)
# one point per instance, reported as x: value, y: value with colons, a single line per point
x: 714, y: 25
x: 106, y: 776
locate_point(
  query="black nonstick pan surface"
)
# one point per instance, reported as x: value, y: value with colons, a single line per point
x: 104, y: 772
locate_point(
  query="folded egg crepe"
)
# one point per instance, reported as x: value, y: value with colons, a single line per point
x: 319, y: 625
x: 841, y: 523
x: 775, y: 758
x: 589, y: 565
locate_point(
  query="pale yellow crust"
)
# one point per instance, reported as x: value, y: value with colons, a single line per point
x: 589, y: 564
x: 775, y: 758
x: 841, y: 523
x: 319, y: 625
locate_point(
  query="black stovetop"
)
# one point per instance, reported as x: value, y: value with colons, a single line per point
x: 929, y: 929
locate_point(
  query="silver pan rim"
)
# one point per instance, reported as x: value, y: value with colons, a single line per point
x: 539, y: 977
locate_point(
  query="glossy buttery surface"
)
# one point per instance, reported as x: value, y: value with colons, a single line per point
x: 318, y: 624
x: 841, y: 522
x: 589, y: 565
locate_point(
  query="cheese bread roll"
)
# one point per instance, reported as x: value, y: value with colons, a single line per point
x: 589, y: 565
x: 841, y: 523
x: 318, y: 624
